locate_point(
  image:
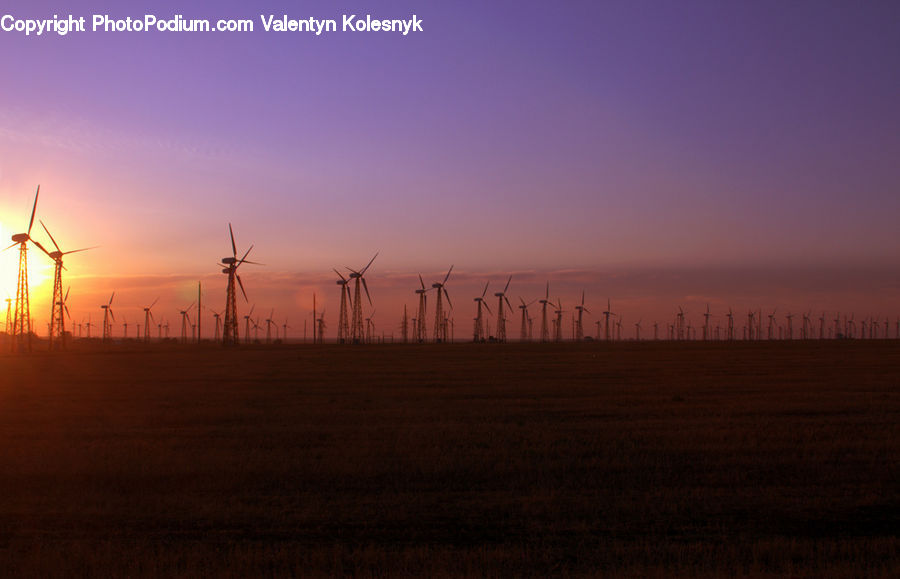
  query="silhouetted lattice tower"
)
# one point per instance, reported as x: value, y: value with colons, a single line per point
x: 343, y: 315
x: 357, y: 331
x: 420, y: 331
x: 440, y: 327
x: 230, y: 266
x: 478, y: 332
x: 21, y: 324
x: 579, y: 328
x: 545, y: 331
x: 501, y: 312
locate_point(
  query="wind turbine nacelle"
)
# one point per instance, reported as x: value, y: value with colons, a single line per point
x: 226, y: 270
x: 498, y: 295
x: 229, y: 260
x: 340, y: 282
x: 420, y: 291
x: 56, y: 255
x: 20, y: 237
x: 436, y: 285
x: 354, y: 275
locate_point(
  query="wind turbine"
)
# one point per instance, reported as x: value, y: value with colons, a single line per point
x: 356, y: 324
x: 706, y: 324
x: 730, y: 324
x: 579, y: 328
x: 478, y: 334
x: 185, y: 322
x: 419, y: 327
x: 771, y: 330
x: 284, y: 328
x: 107, y: 314
x: 525, y: 332
x: 343, y: 314
x: 370, y: 328
x: 269, y: 323
x: 637, y: 330
x: 57, y: 317
x: 558, y: 324
x: 21, y: 331
x: 790, y: 326
x: 247, y: 325
x: 501, y: 312
x: 606, y: 315
x: 148, y: 317
x: 218, y: 317
x: 440, y: 328
x: 230, y: 266
x: 545, y: 334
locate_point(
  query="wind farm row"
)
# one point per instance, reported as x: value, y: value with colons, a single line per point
x: 429, y: 322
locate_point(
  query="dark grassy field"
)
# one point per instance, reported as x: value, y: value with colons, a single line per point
x: 649, y: 459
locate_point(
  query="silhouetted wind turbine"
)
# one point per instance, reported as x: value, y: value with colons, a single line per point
x: 21, y: 330
x: 230, y: 266
x: 440, y: 328
x: 356, y: 325
x: 478, y: 333
x: 107, y: 314
x: 501, y: 312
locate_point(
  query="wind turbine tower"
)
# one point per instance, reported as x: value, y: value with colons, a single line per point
x: 706, y: 324
x: 148, y: 317
x: 419, y: 329
x: 579, y: 328
x: 357, y: 330
x: 230, y: 266
x: 545, y: 334
x: 440, y: 328
x: 21, y: 330
x: 501, y: 312
x: 107, y: 322
x: 343, y: 314
x: 478, y: 333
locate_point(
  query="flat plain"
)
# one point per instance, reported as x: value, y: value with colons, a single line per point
x: 649, y: 459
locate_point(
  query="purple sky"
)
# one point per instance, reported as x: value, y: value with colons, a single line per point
x: 656, y: 152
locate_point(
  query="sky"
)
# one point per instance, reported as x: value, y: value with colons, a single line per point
x: 656, y: 154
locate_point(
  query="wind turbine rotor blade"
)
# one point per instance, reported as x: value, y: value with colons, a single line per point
x: 66, y: 309
x: 111, y: 298
x: 368, y: 264
x: 17, y: 243
x: 507, y: 303
x: 241, y: 284
x: 50, y: 236
x: 366, y: 287
x: 487, y: 307
x: 507, y: 284
x: 67, y: 294
x: 339, y: 275
x: 523, y: 302
x: 484, y: 293
x: 154, y: 303
x: 233, y: 244
x: 111, y: 314
x: 420, y: 275
x: 446, y: 295
x: 245, y: 256
x: 34, y: 209
x: 585, y: 309
x: 77, y: 250
x: 446, y: 277
x: 152, y: 319
x: 36, y: 242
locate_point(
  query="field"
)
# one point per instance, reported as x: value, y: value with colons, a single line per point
x: 626, y: 459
